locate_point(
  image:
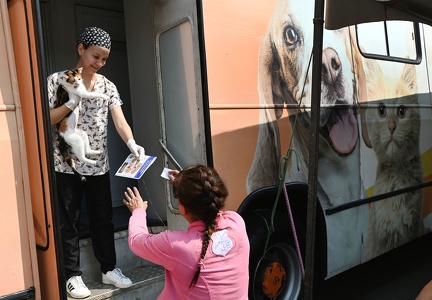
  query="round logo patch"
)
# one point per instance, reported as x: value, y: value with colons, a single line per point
x: 222, y: 243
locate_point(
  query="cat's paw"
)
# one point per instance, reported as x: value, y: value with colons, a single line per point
x: 90, y: 162
x: 103, y: 96
x: 94, y: 152
x: 85, y: 160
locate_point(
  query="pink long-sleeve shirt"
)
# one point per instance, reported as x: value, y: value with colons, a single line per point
x: 225, y: 272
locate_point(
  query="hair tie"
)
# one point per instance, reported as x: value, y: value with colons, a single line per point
x: 201, y: 264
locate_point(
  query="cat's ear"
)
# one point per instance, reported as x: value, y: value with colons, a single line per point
x: 80, y: 70
x: 409, y: 76
x: 374, y: 78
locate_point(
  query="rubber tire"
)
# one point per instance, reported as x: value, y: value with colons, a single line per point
x: 281, y: 241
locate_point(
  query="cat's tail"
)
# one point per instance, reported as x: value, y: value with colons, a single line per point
x: 63, y: 146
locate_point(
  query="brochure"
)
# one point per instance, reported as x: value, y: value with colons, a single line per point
x: 134, y: 167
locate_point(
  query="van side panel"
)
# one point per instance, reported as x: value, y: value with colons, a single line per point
x: 35, y: 164
x: 259, y: 86
x: 18, y: 243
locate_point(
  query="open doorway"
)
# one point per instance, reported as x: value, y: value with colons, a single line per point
x: 62, y: 21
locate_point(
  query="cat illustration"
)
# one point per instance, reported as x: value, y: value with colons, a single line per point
x: 393, y: 127
x: 71, y: 87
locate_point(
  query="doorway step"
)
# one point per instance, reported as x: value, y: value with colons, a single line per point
x: 147, y: 277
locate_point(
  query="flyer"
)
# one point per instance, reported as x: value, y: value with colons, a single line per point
x: 134, y: 167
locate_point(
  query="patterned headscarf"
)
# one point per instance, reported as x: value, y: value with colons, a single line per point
x: 94, y: 36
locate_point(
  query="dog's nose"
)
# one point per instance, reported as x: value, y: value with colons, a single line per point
x: 331, y: 65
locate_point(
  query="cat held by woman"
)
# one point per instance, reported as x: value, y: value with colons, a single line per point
x: 71, y: 90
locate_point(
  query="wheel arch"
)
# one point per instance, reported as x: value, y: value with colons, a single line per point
x: 264, y: 198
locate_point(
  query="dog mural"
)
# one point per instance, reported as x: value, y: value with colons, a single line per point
x: 284, y: 82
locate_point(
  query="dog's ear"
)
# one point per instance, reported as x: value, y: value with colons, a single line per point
x: 374, y: 81
x: 357, y: 64
x: 265, y: 164
x: 269, y: 81
x: 264, y: 168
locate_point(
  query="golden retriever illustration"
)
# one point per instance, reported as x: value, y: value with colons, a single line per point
x: 284, y: 82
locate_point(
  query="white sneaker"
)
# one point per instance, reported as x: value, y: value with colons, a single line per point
x: 116, y: 278
x: 76, y: 287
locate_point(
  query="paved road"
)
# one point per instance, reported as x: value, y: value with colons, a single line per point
x: 398, y: 276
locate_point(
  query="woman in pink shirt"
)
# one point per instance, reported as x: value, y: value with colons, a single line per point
x: 208, y: 261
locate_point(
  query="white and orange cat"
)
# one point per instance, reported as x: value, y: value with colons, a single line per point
x: 393, y: 132
x: 71, y: 87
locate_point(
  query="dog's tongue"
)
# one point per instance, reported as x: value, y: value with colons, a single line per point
x: 344, y: 133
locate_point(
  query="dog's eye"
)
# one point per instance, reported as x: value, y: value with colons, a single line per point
x: 401, y: 111
x: 382, y: 110
x: 291, y: 36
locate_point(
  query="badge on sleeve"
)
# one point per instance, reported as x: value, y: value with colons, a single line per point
x: 222, y: 243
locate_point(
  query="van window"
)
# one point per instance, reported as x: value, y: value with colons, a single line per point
x: 180, y: 104
x: 391, y: 40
